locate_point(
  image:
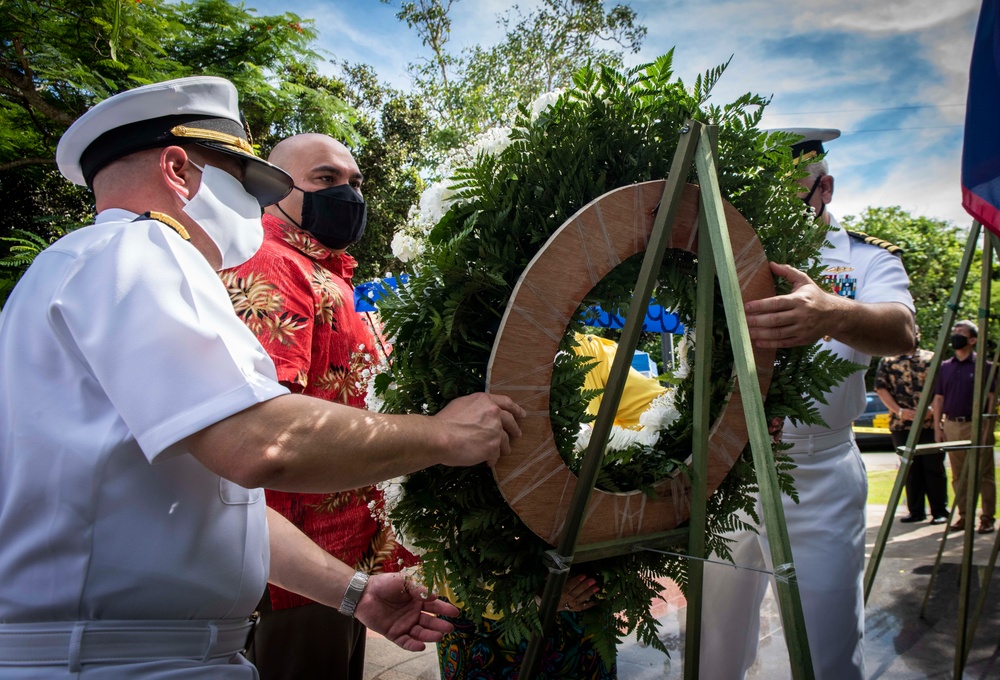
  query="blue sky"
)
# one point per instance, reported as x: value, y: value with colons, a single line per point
x: 891, y: 74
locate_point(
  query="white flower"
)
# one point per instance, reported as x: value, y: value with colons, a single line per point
x: 544, y: 101
x: 373, y: 402
x: 405, y: 247
x: 392, y: 492
x: 492, y: 142
x: 662, y: 413
x: 683, y: 348
x: 434, y: 203
x: 622, y: 438
x: 648, y: 436
x: 583, y: 438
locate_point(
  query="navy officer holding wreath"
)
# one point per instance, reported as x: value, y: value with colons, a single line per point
x: 869, y: 311
x: 139, y: 417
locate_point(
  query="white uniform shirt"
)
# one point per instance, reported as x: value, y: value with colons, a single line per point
x: 864, y: 273
x: 120, y: 341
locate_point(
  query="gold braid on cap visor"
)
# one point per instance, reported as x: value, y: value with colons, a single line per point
x: 212, y: 136
x: 804, y: 157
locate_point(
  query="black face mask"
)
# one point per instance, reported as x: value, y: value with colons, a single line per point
x: 822, y: 207
x: 959, y: 341
x: 335, y: 216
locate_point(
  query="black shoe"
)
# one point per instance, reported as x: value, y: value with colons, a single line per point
x: 943, y: 519
x: 913, y: 518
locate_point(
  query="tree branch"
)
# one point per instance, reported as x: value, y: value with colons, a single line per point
x: 21, y: 162
x: 25, y: 87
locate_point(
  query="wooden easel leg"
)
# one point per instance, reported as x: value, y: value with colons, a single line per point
x: 972, y: 465
x: 925, y: 399
x: 699, y: 462
x: 695, y: 145
x: 984, y: 587
x: 790, y: 603
x: 655, y: 250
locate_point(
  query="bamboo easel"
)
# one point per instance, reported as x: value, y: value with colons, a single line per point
x: 964, y: 631
x: 715, y: 254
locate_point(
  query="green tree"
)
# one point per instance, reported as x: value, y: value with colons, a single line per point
x: 59, y: 57
x: 481, y: 87
x: 932, y: 253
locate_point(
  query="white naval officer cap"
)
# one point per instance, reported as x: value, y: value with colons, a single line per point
x: 810, y: 142
x: 201, y: 110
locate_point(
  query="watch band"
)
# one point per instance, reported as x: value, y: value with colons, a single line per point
x: 354, y: 590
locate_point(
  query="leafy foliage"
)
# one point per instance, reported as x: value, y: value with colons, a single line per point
x: 932, y: 253
x: 611, y: 129
x: 59, y: 57
x: 24, y: 246
x: 480, y: 87
x: 394, y: 127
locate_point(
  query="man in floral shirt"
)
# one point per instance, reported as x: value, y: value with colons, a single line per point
x: 296, y: 296
x: 899, y: 380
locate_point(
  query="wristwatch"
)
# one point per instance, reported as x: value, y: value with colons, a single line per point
x: 354, y: 590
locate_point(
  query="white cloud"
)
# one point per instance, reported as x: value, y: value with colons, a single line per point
x: 929, y: 189
x: 881, y: 55
x: 890, y: 16
x: 834, y: 64
x: 949, y: 48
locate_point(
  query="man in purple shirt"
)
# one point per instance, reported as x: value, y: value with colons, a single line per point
x: 953, y: 421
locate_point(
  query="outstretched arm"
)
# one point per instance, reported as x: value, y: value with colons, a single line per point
x: 298, y: 443
x: 809, y: 313
x: 403, y: 612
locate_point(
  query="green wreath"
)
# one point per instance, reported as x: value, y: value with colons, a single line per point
x: 609, y: 130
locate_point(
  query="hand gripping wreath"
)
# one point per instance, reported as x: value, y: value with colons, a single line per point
x: 533, y: 478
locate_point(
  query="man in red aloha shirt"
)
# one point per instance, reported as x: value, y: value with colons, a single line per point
x: 296, y: 296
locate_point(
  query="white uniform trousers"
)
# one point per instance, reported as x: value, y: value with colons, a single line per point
x: 827, y: 533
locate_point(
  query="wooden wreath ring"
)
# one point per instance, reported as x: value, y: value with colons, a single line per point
x: 533, y: 478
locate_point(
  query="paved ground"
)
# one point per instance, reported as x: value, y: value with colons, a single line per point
x: 899, y: 644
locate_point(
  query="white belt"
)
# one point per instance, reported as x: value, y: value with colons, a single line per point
x: 91, y: 642
x: 809, y: 443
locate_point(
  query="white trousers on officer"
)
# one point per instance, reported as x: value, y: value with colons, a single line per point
x: 827, y: 533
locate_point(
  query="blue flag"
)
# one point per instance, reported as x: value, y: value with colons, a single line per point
x: 981, y: 149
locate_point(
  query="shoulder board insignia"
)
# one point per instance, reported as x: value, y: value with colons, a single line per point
x: 875, y: 241
x: 167, y: 220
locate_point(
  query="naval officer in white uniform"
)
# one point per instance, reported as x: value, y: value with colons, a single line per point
x: 869, y: 312
x: 139, y: 417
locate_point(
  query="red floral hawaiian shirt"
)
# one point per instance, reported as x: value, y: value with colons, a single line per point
x: 296, y: 296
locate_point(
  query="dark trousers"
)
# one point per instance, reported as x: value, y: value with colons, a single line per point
x: 308, y: 642
x: 927, y: 478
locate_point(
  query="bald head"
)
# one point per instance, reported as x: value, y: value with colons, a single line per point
x: 315, y: 162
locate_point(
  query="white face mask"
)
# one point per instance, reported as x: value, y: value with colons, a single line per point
x: 227, y: 214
